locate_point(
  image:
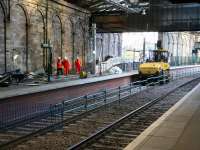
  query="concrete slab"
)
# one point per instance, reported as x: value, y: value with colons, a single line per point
x: 190, y: 138
x: 177, y: 129
x: 161, y: 143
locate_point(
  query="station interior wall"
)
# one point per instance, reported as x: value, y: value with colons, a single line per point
x: 179, y: 43
x: 109, y: 44
x: 68, y: 32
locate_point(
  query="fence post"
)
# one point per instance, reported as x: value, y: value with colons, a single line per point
x: 51, y: 112
x: 119, y: 94
x: 86, y: 102
x: 62, y: 110
x: 140, y: 85
x: 105, y: 98
x: 62, y: 113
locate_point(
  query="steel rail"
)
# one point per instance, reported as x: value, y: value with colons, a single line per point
x: 50, y: 128
x: 115, y: 124
x: 90, y: 108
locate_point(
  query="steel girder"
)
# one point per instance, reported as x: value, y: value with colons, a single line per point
x: 99, y: 7
x: 160, y: 18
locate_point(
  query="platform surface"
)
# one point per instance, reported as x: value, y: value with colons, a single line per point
x: 57, y: 85
x: 24, y: 90
x: 177, y: 129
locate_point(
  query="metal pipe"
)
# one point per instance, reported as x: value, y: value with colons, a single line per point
x: 5, y: 46
x: 178, y: 36
x: 61, y: 34
x: 94, y: 46
x: 27, y: 39
x: 46, y: 31
x: 73, y: 46
x: 168, y: 41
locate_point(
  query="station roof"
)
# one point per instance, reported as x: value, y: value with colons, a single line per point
x: 112, y: 7
x: 185, y: 1
x: 143, y: 15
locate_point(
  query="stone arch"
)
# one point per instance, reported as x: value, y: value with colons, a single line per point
x: 173, y: 44
x: 73, y: 32
x: 19, y: 37
x: 56, y: 37
x: 68, y: 40
x: 79, y: 39
x: 115, y: 44
x: 83, y: 39
x: 185, y: 45
x: 119, y: 44
x: 168, y: 41
x: 2, y: 40
x: 37, y: 36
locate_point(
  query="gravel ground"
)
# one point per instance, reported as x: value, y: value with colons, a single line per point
x: 119, y: 137
x: 74, y: 133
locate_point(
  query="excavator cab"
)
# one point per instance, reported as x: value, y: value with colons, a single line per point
x: 159, y: 56
x: 156, y: 65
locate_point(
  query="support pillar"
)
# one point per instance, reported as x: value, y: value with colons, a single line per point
x: 94, y: 48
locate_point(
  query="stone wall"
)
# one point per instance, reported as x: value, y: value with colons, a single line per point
x: 2, y: 53
x: 67, y: 29
x: 26, y: 30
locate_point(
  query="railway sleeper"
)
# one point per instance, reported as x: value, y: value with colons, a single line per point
x: 3, y: 141
x: 7, y: 138
x: 134, y: 128
x: 116, y: 139
x: 105, y: 143
x: 121, y: 130
x: 81, y: 134
x: 19, y: 132
x: 128, y: 136
x: 33, y: 126
x: 111, y: 142
x: 101, y: 147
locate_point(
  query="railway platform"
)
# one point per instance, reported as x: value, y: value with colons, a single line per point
x: 177, y: 129
x: 24, y: 90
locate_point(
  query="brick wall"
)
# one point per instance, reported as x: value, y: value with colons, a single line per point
x: 26, y: 31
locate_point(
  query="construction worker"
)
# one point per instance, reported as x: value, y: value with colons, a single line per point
x: 66, y: 66
x: 78, y: 65
x: 59, y: 66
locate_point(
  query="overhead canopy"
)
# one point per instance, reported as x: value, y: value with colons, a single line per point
x: 185, y: 1
x: 143, y: 15
x: 99, y: 7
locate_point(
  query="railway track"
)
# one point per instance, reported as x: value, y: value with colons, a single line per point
x: 48, y: 122
x: 75, y: 123
x: 120, y: 133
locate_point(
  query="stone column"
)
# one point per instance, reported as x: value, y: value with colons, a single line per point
x: 94, y: 48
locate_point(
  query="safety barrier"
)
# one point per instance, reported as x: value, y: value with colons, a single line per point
x: 57, y: 112
x: 183, y: 60
x: 129, y: 64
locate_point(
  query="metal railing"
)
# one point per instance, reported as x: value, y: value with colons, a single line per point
x: 181, y: 61
x: 128, y: 64
x: 56, y: 113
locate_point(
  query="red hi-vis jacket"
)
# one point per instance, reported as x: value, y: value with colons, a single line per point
x: 67, y: 66
x: 59, y: 64
x: 78, y: 65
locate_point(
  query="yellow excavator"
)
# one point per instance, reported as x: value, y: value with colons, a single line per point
x: 156, y: 65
